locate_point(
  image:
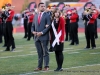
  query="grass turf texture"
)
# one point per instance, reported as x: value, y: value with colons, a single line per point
x: 23, y: 60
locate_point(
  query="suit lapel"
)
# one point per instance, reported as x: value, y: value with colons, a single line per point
x: 42, y: 17
x: 36, y: 18
x: 36, y: 21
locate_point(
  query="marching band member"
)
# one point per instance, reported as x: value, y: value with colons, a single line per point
x: 4, y: 24
x: 25, y: 16
x: 30, y: 20
x: 67, y: 26
x: 0, y: 26
x: 93, y: 7
x: 9, y: 13
x: 48, y: 10
x: 89, y: 16
x: 57, y: 37
x: 73, y: 16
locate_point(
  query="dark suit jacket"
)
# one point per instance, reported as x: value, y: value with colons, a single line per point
x: 45, y: 20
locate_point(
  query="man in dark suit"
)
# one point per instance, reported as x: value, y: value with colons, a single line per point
x: 40, y: 29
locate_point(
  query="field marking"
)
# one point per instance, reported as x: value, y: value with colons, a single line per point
x: 68, y: 48
x: 63, y: 68
x: 19, y: 47
x: 95, y: 53
x: 33, y: 51
x: 36, y: 53
x: 17, y: 56
x: 32, y: 47
x: 17, y: 51
x: 26, y: 44
x: 73, y: 52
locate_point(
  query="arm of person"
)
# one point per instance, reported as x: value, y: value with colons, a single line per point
x: 33, y: 27
x: 48, y: 25
x: 63, y: 29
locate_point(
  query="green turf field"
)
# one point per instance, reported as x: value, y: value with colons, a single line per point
x: 23, y: 61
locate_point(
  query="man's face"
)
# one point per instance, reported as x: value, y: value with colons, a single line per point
x: 42, y: 7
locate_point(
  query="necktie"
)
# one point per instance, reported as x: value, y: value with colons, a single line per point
x: 39, y: 18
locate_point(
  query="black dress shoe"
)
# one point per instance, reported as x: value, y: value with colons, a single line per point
x: 7, y: 50
x: 71, y: 44
x: 59, y: 69
x: 50, y: 50
x: 96, y: 37
x: 66, y: 39
x: 25, y: 37
x: 28, y: 39
x: 77, y: 44
x: 93, y: 47
x: 13, y: 49
x: 87, y: 48
x: 0, y: 42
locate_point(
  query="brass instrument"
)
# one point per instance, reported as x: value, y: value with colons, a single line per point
x: 87, y: 11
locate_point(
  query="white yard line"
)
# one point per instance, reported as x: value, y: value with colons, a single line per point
x: 19, y: 47
x: 63, y: 68
x: 95, y: 53
x: 73, y: 52
x: 17, y: 51
x: 83, y: 66
x: 36, y: 53
x: 68, y: 48
x: 17, y: 56
x: 33, y: 51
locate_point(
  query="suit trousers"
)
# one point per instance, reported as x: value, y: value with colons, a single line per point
x: 43, y: 53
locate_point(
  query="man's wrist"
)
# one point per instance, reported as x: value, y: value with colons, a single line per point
x: 42, y: 33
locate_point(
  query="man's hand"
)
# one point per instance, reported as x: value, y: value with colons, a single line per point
x: 35, y: 33
x: 39, y: 34
x: 47, y: 26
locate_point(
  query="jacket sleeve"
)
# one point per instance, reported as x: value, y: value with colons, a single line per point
x: 33, y: 25
x: 92, y: 16
x: 11, y: 15
x: 48, y: 22
x: 63, y: 29
x: 74, y: 17
x: 99, y: 16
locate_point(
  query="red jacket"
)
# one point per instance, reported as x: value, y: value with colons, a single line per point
x: 74, y: 18
x: 10, y: 17
x: 31, y: 17
x: 92, y: 18
x: 61, y: 27
x: 97, y: 13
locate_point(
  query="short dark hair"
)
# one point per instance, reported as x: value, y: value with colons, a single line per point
x: 40, y: 4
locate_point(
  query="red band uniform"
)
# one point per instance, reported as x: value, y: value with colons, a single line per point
x: 30, y: 20
x: 74, y: 28
x: 9, y: 29
x: 90, y: 29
